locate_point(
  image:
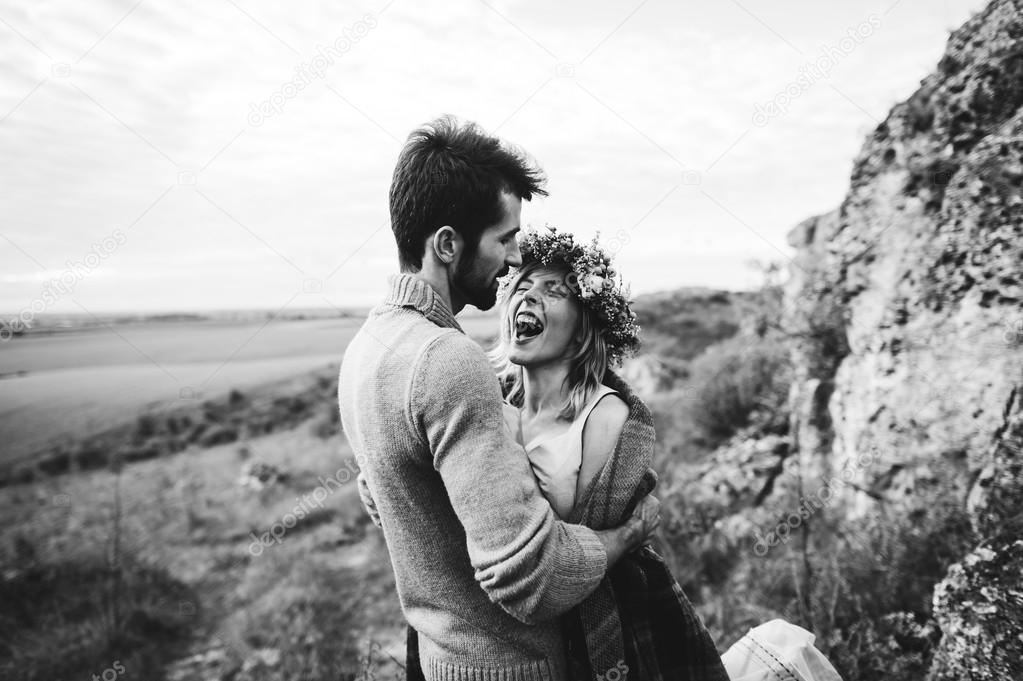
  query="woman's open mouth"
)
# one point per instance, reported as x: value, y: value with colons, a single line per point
x: 527, y: 326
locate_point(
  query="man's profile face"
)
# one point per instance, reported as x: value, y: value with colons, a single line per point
x: 475, y: 279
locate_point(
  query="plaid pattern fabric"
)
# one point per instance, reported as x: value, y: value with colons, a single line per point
x: 638, y: 623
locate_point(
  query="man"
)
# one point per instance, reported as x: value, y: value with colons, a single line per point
x: 482, y: 565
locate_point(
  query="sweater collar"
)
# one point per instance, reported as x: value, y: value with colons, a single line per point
x: 406, y: 290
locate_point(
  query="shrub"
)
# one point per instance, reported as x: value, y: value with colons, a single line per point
x: 735, y: 380
x: 328, y: 424
x: 56, y: 620
x: 146, y: 427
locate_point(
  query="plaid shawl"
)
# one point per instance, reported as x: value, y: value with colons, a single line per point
x: 638, y: 623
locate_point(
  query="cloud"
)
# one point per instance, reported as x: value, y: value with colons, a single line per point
x: 149, y: 133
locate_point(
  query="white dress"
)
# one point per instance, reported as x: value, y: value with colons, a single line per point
x: 556, y: 457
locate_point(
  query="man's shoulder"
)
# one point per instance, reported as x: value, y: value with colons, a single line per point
x: 407, y: 334
x: 394, y: 324
x: 453, y: 350
x: 451, y: 366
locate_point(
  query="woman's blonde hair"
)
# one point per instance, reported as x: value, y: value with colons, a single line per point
x: 587, y: 364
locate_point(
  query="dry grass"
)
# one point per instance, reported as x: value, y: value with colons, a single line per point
x: 301, y: 609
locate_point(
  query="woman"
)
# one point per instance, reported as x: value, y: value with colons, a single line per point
x: 564, y: 321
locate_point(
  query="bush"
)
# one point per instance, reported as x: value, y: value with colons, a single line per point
x: 736, y: 380
x: 146, y: 427
x: 58, y: 619
x: 863, y: 587
x: 328, y: 424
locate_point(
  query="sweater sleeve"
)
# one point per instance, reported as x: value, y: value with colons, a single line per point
x: 527, y: 561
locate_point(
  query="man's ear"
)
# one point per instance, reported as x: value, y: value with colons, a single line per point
x: 447, y: 244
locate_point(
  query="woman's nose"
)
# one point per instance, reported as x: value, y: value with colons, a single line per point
x: 533, y: 296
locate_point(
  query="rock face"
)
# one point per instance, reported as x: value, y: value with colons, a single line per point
x: 908, y: 303
x: 924, y: 262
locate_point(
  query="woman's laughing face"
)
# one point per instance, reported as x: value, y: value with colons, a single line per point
x: 544, y: 317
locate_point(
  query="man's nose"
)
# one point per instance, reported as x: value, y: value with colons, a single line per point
x: 514, y: 258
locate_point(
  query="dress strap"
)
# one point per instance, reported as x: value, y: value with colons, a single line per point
x: 575, y: 429
x: 580, y: 419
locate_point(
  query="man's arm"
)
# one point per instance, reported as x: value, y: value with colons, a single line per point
x: 528, y: 562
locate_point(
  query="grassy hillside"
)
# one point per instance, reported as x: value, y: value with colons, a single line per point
x: 137, y: 546
x: 683, y: 323
x: 241, y: 560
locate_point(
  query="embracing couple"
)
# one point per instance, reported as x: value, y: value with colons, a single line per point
x: 513, y: 489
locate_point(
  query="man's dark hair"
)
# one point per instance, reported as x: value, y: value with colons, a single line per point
x: 452, y: 173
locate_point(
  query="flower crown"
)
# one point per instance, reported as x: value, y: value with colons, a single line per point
x: 592, y: 279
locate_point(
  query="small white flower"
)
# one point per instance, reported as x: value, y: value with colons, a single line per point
x: 985, y: 553
x: 595, y: 282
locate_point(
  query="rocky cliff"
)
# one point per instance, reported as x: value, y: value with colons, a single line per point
x: 906, y: 304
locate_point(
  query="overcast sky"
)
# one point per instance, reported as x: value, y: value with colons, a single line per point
x: 143, y: 170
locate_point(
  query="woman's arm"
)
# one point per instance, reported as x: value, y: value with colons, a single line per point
x: 600, y: 437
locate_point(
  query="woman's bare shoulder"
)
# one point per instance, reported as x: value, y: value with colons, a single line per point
x: 600, y: 435
x: 607, y: 419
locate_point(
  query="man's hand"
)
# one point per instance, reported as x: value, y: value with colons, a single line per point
x: 648, y: 512
x: 367, y: 499
x: 636, y: 531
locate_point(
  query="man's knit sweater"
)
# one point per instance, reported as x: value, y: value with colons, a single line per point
x: 482, y: 565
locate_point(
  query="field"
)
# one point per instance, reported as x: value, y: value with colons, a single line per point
x: 70, y: 385
x: 156, y: 567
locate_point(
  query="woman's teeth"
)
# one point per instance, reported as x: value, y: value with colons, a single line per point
x: 527, y: 325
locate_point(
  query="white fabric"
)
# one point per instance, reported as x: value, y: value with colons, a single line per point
x: 556, y: 457
x: 777, y: 651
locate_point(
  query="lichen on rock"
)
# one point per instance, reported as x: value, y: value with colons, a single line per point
x: 979, y: 607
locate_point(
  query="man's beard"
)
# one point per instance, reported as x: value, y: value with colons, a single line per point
x: 475, y: 285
